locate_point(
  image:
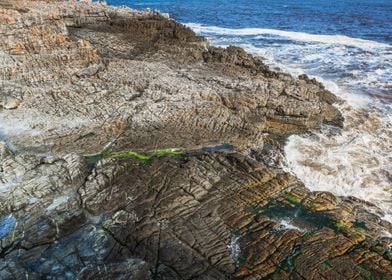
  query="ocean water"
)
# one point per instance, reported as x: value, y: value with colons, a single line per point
x: 347, y: 45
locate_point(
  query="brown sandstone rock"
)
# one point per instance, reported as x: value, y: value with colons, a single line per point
x: 206, y: 215
x: 78, y: 76
x: 88, y: 74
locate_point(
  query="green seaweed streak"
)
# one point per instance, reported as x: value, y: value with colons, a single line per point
x: 106, y: 154
x: 292, y: 198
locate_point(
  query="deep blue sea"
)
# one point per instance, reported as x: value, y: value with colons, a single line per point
x: 346, y: 44
x: 366, y: 19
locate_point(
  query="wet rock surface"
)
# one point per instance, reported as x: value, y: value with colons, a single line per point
x: 208, y: 215
x: 75, y: 76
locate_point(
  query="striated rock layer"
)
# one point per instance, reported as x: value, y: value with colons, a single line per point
x: 76, y: 76
x: 82, y: 75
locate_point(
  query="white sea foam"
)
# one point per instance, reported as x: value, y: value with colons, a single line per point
x: 287, y: 224
x: 346, y: 69
x: 355, y: 100
x: 358, y: 161
x: 297, y: 36
x: 234, y: 247
x: 57, y: 202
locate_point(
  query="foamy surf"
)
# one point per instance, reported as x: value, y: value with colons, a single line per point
x: 357, y: 160
x: 354, y: 64
x: 297, y: 36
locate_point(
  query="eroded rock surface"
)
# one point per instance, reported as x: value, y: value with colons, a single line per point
x: 210, y: 215
x: 82, y: 75
x: 75, y: 76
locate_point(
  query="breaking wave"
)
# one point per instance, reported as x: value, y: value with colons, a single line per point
x: 296, y: 36
x: 356, y: 160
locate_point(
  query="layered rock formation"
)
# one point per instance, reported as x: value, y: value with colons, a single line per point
x: 76, y: 76
x: 88, y: 74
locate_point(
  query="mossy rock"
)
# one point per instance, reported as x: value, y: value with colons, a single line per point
x: 291, y: 198
x: 107, y: 154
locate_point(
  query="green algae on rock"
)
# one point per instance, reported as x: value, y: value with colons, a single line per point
x: 130, y: 154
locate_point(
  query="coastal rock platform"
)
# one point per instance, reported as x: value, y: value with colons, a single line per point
x: 210, y: 202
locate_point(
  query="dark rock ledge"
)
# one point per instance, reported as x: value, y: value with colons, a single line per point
x: 77, y: 76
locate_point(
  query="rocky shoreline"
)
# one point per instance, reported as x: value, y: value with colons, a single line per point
x: 77, y: 76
